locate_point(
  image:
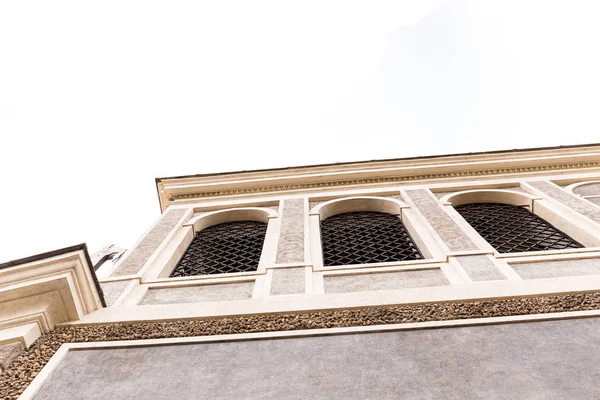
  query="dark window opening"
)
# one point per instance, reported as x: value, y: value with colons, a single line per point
x: 512, y: 229
x: 366, y: 237
x: 223, y: 248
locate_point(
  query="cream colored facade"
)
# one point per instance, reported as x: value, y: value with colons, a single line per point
x: 421, y: 191
x: 561, y: 185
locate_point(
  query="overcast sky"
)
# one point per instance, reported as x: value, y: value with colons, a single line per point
x: 99, y: 98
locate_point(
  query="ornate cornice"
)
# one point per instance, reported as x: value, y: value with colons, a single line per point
x: 392, y: 180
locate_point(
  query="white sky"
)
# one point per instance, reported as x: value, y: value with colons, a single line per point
x: 99, y: 98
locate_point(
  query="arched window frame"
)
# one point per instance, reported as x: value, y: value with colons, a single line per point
x: 187, y: 232
x: 538, y: 205
x: 424, y: 240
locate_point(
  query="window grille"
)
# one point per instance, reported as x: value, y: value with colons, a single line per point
x: 366, y: 237
x: 224, y: 248
x: 511, y: 229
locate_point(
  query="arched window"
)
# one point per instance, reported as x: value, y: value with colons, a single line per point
x: 228, y: 247
x: 366, y: 237
x: 510, y: 228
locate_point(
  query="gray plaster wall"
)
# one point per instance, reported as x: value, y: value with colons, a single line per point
x: 539, y: 360
x: 384, y: 281
x: 112, y: 290
x: 553, y: 269
x: 288, y: 281
x: 194, y: 294
x: 291, y: 239
x: 148, y: 245
x: 480, y: 268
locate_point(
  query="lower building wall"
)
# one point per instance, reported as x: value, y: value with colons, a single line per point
x: 533, y: 360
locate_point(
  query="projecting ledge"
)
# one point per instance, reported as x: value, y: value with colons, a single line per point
x: 487, y: 290
x: 38, y: 292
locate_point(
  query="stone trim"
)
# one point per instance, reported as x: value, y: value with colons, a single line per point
x: 26, y: 366
x: 568, y: 199
x: 447, y: 229
x: 146, y: 248
x: 391, y: 180
x: 290, y: 248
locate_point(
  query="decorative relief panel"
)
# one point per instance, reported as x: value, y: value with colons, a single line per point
x: 444, y: 225
x: 569, y: 200
x: 291, y: 239
x: 144, y: 250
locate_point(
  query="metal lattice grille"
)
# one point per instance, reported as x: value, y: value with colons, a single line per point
x: 219, y: 249
x: 366, y: 237
x: 512, y: 229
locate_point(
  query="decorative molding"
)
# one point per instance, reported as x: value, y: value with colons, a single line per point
x: 38, y: 292
x: 66, y: 278
x: 392, y: 180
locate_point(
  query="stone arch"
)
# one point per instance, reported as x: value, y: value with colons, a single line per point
x: 359, y: 203
x: 502, y: 196
x: 257, y: 214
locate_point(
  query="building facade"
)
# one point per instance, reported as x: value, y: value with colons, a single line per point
x: 461, y: 276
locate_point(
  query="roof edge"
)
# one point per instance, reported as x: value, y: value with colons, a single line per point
x: 520, y: 150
